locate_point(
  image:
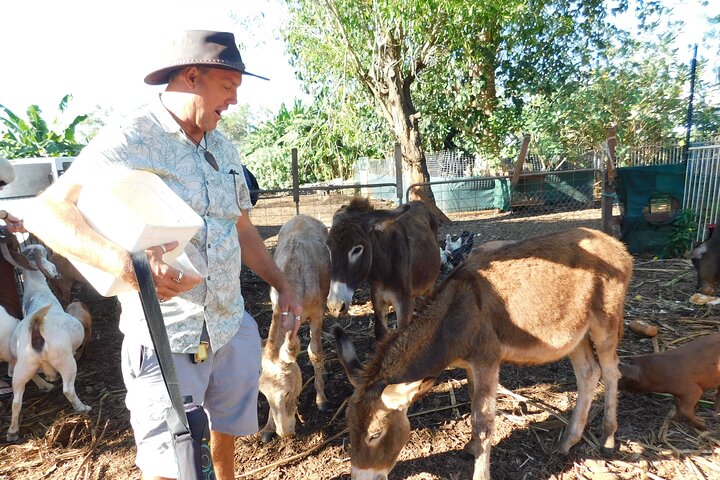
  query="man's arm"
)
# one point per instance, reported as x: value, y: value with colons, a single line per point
x: 58, y: 222
x: 257, y: 258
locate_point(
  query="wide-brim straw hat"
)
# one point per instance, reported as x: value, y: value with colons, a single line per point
x: 200, y: 47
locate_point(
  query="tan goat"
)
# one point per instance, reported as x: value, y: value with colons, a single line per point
x: 530, y: 303
x: 303, y: 255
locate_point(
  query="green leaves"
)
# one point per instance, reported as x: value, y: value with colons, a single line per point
x: 33, y: 138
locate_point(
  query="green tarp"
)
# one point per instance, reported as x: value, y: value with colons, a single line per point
x: 644, y: 194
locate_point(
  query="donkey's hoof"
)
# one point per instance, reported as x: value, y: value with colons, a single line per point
x: 267, y: 437
x: 12, y: 437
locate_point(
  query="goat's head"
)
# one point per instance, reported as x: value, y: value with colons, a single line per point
x: 37, y: 256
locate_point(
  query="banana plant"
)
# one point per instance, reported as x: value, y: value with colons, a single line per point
x: 20, y: 138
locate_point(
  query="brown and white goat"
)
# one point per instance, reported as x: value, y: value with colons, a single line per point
x: 45, y: 340
x: 685, y: 372
x: 530, y: 303
x: 302, y: 254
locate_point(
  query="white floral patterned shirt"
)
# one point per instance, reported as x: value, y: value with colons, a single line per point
x: 151, y: 140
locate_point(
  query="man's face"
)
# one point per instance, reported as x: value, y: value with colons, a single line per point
x: 215, y: 90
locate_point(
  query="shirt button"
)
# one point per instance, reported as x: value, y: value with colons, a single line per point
x: 208, y: 277
x: 209, y: 246
x: 207, y: 183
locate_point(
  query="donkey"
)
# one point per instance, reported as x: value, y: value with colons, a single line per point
x: 529, y: 303
x: 396, y: 251
x: 302, y: 254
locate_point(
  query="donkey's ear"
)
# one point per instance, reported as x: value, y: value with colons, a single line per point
x: 347, y: 355
x: 399, y: 396
x: 380, y: 219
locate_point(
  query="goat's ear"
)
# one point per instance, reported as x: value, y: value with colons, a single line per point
x: 20, y: 259
x: 347, y: 356
x: 399, y: 396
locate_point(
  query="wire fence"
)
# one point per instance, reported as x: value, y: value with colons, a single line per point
x: 702, y: 187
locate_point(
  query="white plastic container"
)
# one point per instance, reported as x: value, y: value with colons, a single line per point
x: 136, y: 210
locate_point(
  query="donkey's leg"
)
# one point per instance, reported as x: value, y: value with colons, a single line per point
x: 606, y: 340
x: 380, y: 311
x: 484, y: 381
x: 315, y: 352
x: 587, y: 374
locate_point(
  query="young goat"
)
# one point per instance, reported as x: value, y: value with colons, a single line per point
x: 685, y: 372
x: 45, y: 340
x: 303, y: 255
x: 529, y: 303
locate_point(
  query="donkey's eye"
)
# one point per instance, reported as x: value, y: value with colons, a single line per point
x: 356, y: 250
x: 372, y: 436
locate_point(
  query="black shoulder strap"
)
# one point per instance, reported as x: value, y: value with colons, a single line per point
x: 176, y: 418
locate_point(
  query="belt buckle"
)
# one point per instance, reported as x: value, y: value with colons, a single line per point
x: 202, y: 353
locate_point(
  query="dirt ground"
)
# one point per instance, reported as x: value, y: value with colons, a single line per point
x: 57, y: 443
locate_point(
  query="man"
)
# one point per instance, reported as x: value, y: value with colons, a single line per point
x: 175, y: 137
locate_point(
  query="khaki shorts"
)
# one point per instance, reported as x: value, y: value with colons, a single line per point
x: 226, y: 384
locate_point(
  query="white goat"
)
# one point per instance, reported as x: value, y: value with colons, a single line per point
x: 45, y: 340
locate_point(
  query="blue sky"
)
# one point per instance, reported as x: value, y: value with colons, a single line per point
x: 100, y: 51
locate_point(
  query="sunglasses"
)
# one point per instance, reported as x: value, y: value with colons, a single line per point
x: 210, y: 158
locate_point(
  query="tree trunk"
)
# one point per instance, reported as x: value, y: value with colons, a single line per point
x: 404, y: 119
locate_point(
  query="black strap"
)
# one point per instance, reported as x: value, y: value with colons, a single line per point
x: 176, y: 418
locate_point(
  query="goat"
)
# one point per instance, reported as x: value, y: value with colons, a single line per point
x: 81, y: 311
x: 8, y: 324
x: 45, y: 339
x: 302, y: 254
x: 685, y: 372
x: 69, y: 276
x: 532, y: 303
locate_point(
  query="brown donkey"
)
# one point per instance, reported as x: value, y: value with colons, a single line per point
x: 530, y: 303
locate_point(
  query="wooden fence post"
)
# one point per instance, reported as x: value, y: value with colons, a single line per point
x: 521, y: 159
x: 608, y: 186
x: 296, y: 181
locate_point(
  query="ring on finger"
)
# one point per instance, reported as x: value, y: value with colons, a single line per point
x: 162, y: 247
x: 179, y: 277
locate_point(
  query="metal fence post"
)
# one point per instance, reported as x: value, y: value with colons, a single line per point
x: 398, y: 172
x: 296, y: 181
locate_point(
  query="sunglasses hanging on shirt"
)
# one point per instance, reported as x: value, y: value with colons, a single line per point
x: 209, y: 157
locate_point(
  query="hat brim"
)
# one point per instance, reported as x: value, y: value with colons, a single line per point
x: 162, y: 76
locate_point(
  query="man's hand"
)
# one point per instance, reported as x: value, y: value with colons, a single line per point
x: 169, y: 281
x: 290, y: 308
x: 14, y: 224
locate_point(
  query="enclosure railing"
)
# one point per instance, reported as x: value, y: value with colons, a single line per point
x: 702, y: 187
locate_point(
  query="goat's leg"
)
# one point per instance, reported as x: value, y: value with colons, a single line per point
x: 484, y: 381
x: 717, y: 401
x: 68, y: 371
x: 587, y: 374
x: 24, y: 371
x: 404, y: 309
x: 315, y: 352
x: 606, y: 341
x: 42, y: 384
x: 685, y: 404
